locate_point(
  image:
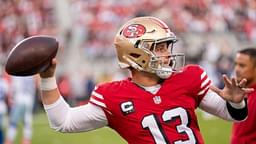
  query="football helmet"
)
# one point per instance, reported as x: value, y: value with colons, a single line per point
x: 135, y: 43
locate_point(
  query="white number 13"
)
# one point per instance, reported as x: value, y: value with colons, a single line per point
x: 151, y: 122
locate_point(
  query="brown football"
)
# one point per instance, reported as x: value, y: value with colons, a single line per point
x: 31, y: 55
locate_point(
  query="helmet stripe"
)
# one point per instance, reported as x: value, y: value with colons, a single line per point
x: 162, y: 24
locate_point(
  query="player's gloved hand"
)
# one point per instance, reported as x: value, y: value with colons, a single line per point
x: 50, y: 71
x: 233, y: 91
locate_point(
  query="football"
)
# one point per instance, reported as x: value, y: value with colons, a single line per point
x: 31, y: 55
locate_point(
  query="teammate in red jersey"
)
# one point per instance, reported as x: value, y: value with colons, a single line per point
x: 156, y: 105
x: 245, y: 67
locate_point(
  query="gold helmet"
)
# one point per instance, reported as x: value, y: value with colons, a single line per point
x: 135, y: 42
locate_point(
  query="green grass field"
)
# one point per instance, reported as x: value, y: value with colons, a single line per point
x: 214, y: 131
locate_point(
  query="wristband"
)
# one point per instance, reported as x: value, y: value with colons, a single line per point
x: 240, y: 105
x: 48, y: 84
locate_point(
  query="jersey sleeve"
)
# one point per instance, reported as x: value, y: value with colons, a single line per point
x: 98, y: 97
x: 200, y: 83
x: 205, y: 83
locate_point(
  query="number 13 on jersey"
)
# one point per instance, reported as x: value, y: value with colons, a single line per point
x: 151, y: 123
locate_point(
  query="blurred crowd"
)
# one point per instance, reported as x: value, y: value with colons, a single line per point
x: 97, y: 20
x: 22, y: 18
x: 211, y: 30
x: 100, y: 18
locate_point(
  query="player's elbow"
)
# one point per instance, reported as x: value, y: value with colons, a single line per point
x: 65, y: 125
x: 62, y: 129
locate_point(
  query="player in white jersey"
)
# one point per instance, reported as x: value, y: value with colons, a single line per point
x: 23, y: 93
x: 3, y: 93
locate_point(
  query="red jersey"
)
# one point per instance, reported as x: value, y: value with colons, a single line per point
x: 168, y: 116
x: 245, y: 132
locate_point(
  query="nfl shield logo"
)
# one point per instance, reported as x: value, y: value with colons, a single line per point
x: 157, y: 99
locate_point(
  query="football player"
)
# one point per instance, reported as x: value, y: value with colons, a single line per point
x: 157, y: 103
x: 23, y: 97
x: 4, y: 89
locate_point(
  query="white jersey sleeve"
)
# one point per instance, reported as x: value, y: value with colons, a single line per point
x: 214, y: 104
x: 63, y: 118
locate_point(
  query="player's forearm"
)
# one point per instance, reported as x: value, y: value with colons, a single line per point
x: 49, y: 91
x: 63, y: 118
x: 215, y: 105
x: 50, y: 97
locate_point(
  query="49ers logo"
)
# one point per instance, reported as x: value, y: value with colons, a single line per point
x: 134, y: 31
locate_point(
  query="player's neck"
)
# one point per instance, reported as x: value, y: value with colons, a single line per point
x: 144, y: 78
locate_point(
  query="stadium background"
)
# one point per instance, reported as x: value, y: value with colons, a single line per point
x: 210, y: 32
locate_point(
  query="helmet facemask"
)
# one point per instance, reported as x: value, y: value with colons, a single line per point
x: 166, y: 64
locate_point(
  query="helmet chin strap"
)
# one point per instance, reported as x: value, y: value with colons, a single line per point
x: 164, y: 72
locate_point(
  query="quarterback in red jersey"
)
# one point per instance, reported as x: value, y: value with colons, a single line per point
x: 245, y: 67
x: 161, y: 116
x: 157, y: 104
